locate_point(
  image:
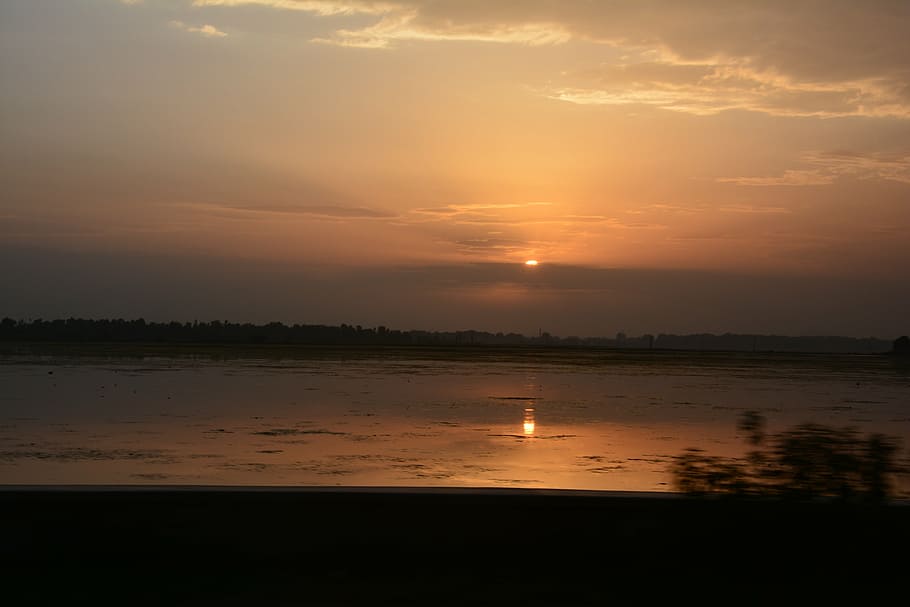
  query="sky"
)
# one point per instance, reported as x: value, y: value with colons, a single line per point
x: 675, y: 166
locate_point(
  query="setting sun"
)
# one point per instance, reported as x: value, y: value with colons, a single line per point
x: 531, y: 262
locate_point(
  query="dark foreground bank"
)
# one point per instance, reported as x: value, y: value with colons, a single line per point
x: 285, y: 547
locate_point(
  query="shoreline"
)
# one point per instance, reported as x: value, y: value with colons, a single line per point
x: 438, y: 491
x: 320, y: 489
x: 224, y: 351
x: 227, y: 344
x: 448, y: 546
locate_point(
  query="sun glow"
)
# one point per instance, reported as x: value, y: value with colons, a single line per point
x: 531, y: 262
x: 529, y: 424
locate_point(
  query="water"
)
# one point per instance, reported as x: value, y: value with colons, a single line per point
x: 580, y: 420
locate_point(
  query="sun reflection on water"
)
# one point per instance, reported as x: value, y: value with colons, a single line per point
x: 529, y: 423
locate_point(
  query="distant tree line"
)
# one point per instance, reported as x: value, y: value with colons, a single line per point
x: 216, y: 331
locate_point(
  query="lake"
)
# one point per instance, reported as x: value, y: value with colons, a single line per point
x: 485, y: 417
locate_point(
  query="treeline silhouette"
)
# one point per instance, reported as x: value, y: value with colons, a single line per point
x: 224, y: 332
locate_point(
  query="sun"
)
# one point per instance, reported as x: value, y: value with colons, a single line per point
x: 531, y: 262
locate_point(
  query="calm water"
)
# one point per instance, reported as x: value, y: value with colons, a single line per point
x: 412, y: 418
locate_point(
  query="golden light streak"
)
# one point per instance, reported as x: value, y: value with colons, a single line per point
x: 529, y: 422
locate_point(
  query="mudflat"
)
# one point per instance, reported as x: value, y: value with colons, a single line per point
x: 559, y: 418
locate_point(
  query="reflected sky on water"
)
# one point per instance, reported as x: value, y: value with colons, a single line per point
x: 407, y: 421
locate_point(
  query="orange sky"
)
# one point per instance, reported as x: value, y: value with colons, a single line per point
x: 745, y: 137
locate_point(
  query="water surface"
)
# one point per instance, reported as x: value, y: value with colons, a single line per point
x: 581, y: 420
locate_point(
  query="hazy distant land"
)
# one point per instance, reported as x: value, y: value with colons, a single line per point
x: 75, y: 330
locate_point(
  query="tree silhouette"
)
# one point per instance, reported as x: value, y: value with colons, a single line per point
x: 808, y: 461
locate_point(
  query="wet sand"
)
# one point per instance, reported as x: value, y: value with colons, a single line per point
x: 267, y: 546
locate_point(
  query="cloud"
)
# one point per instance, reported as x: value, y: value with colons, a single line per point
x: 319, y: 7
x: 753, y: 210
x: 341, y: 212
x: 789, y: 178
x: 506, y: 213
x: 520, y: 231
x: 828, y: 167
x: 822, y: 58
x: 209, y: 31
x: 499, y: 246
x: 397, y: 28
x: 888, y: 167
x: 710, y: 88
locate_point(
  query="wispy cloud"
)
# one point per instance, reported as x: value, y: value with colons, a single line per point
x: 209, y: 31
x: 507, y: 216
x: 795, y: 58
x: 503, y: 246
x: 340, y: 212
x: 827, y: 167
x: 481, y: 214
x: 319, y: 7
x: 791, y: 177
x: 404, y: 27
x: 491, y: 209
x: 754, y: 210
x: 728, y: 84
x: 328, y: 211
x: 403, y: 21
x: 889, y: 167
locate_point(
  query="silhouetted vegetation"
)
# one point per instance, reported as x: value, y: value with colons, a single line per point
x: 806, y: 462
x: 901, y: 346
x: 77, y: 330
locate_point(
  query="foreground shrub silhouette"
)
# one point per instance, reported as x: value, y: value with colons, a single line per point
x: 808, y: 461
